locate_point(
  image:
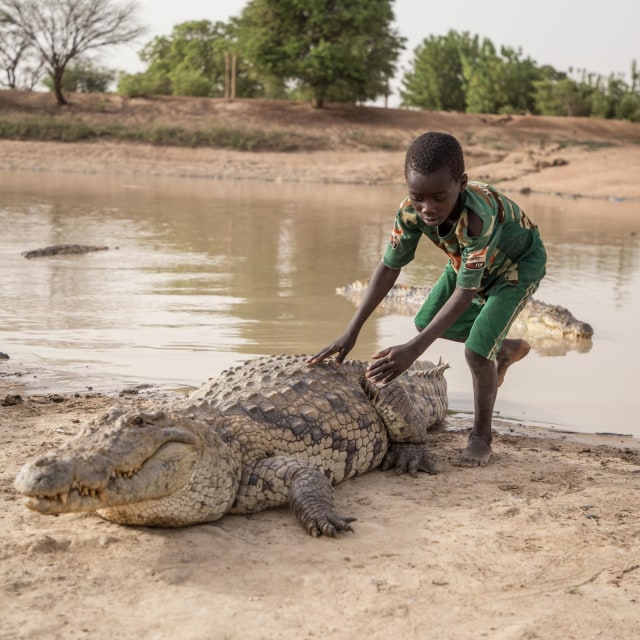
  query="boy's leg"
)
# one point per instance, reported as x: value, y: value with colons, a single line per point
x: 512, y: 350
x: 485, y: 387
x: 438, y: 296
x: 489, y: 354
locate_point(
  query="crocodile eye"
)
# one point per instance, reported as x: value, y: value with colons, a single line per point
x: 138, y: 421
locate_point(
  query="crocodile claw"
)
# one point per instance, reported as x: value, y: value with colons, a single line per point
x: 409, y: 458
x: 329, y: 525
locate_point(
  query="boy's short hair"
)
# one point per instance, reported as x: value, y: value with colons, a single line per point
x: 433, y: 151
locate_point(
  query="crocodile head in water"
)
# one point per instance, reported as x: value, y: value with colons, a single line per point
x: 135, y: 468
x: 553, y: 320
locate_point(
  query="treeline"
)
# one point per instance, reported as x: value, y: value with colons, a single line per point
x: 462, y: 72
x: 318, y: 50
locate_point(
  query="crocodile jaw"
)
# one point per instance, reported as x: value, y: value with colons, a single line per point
x: 117, y: 460
x: 164, y: 473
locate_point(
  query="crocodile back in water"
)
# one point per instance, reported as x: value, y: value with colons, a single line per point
x: 550, y: 329
x: 271, y: 432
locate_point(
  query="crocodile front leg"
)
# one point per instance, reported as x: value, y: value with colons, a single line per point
x: 280, y: 480
x: 311, y: 500
x: 409, y: 406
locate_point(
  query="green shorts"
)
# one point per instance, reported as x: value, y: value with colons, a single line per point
x: 485, y: 324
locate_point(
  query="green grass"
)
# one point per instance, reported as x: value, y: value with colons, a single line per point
x: 49, y: 129
x: 375, y: 140
x: 592, y: 145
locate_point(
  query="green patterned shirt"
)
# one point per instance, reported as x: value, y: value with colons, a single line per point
x: 508, y: 249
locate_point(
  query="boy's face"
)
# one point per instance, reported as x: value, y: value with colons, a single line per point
x: 434, y: 196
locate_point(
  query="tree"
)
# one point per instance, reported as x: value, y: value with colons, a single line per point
x: 83, y: 76
x: 518, y: 76
x: 562, y: 97
x: 22, y: 69
x: 332, y: 49
x: 436, y: 81
x: 191, y: 61
x: 460, y: 72
x: 483, y: 75
x: 64, y: 30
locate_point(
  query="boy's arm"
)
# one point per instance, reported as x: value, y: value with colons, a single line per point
x: 380, y: 284
x: 391, y: 362
x: 452, y: 309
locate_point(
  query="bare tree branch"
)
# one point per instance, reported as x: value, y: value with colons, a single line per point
x: 64, y: 30
x: 21, y: 65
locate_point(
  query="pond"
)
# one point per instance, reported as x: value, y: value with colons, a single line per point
x: 203, y: 274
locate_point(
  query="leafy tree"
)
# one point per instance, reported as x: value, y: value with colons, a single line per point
x: 518, y: 77
x: 191, y: 61
x: 484, y: 79
x: 84, y: 76
x: 436, y: 80
x: 562, y: 97
x: 463, y: 73
x: 500, y: 82
x: 139, y: 85
x: 331, y: 49
x: 629, y: 107
x: 191, y: 58
x: 63, y: 30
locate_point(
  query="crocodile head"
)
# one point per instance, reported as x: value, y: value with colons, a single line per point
x: 577, y: 330
x: 135, y: 468
x: 548, y: 320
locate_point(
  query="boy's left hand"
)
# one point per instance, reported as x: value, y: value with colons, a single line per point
x: 390, y: 363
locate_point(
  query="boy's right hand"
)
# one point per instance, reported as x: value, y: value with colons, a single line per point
x: 341, y: 346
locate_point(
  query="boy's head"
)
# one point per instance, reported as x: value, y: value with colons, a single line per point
x: 434, y: 171
x: 433, y: 151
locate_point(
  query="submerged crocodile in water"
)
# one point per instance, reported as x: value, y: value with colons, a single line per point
x: 271, y: 432
x: 62, y: 250
x: 551, y: 329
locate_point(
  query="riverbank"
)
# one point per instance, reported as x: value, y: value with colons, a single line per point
x: 576, y: 157
x: 542, y: 543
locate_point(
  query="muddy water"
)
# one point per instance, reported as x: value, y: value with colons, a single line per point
x: 203, y: 274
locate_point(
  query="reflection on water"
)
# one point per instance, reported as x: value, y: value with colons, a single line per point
x: 204, y: 274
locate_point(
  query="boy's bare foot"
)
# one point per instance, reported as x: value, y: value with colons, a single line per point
x: 477, y: 453
x: 512, y: 350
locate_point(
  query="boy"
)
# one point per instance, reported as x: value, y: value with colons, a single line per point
x: 496, y: 262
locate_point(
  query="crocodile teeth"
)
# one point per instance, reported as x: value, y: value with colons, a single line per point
x: 63, y: 497
x: 117, y: 473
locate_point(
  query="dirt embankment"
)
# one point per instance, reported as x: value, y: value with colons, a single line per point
x: 350, y: 144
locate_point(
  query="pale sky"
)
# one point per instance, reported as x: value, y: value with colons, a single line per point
x: 601, y: 37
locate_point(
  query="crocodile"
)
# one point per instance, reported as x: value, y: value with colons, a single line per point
x: 551, y: 329
x: 62, y: 250
x: 271, y: 432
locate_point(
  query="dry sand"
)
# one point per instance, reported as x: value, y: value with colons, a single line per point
x: 543, y: 543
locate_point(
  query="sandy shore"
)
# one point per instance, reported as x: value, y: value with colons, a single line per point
x: 605, y: 174
x: 543, y: 543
